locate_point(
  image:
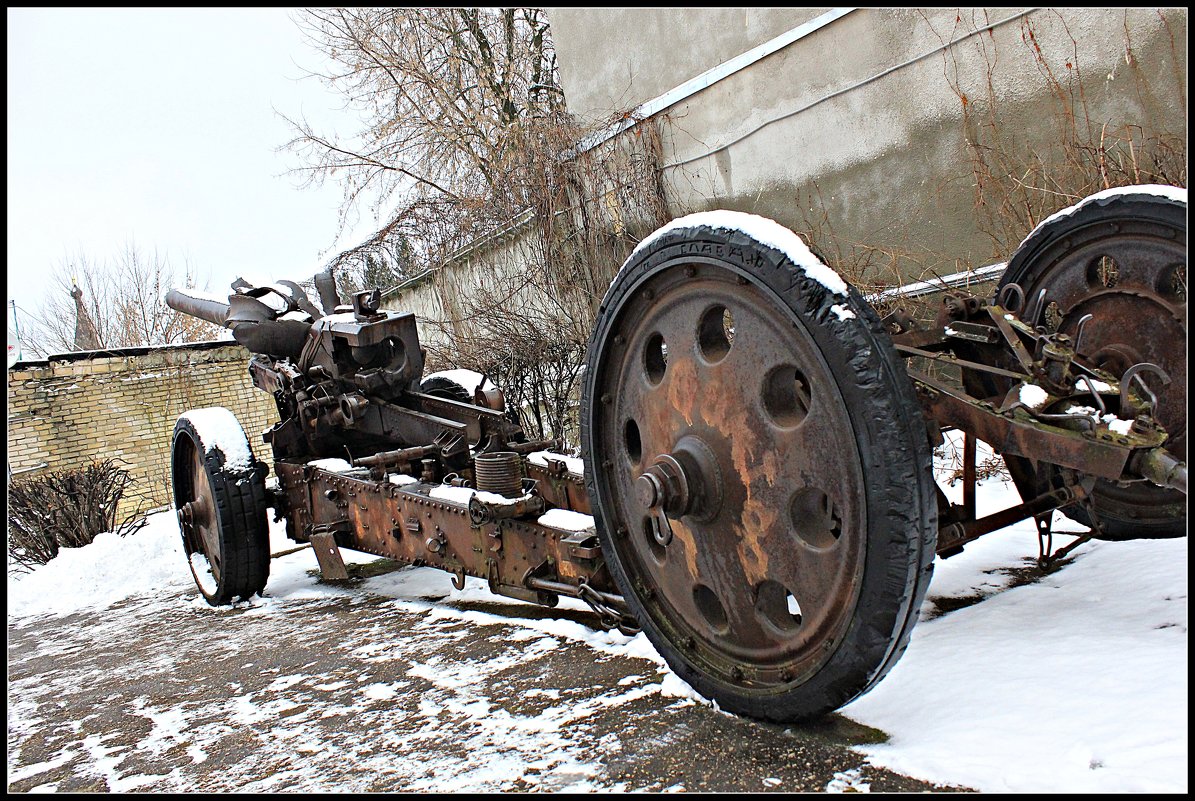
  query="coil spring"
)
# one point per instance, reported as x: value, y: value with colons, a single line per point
x: 499, y: 472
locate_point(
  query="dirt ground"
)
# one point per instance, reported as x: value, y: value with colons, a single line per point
x: 360, y: 692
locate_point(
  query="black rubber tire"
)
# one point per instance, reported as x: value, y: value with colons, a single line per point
x: 1160, y: 513
x: 239, y: 516
x: 889, y: 431
x: 444, y: 387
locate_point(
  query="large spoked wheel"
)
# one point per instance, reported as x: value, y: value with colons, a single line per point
x: 220, y: 500
x: 1121, y: 258
x: 759, y: 468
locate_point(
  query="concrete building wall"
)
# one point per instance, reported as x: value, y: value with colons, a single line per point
x: 419, y: 296
x: 444, y: 301
x: 64, y: 413
x: 613, y: 59
x: 864, y: 107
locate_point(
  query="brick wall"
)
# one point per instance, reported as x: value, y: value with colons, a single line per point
x: 123, y: 405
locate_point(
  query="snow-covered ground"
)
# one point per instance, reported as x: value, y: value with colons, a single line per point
x: 1076, y: 682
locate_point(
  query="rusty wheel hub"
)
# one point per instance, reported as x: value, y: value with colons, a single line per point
x: 731, y: 475
x: 197, y: 517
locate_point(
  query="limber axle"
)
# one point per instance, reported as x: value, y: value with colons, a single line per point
x: 1051, y: 406
x: 953, y: 536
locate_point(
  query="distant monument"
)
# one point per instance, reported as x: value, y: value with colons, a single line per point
x: 86, y: 337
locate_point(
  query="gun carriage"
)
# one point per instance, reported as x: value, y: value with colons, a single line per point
x: 757, y: 492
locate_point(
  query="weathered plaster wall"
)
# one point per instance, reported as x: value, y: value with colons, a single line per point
x: 863, y: 107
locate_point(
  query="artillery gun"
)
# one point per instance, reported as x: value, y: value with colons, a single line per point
x: 757, y: 492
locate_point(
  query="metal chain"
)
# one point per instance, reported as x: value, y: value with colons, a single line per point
x: 611, y: 618
x: 1045, y: 539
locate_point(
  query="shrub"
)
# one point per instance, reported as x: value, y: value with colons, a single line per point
x: 65, y: 509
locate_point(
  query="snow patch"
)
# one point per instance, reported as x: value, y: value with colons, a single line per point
x: 1096, y: 384
x: 574, y: 464
x: 332, y: 465
x: 1175, y: 193
x: 842, y: 312
x: 105, y: 572
x: 203, y: 294
x: 382, y: 691
x: 1121, y: 605
x: 566, y: 519
x: 764, y: 231
x: 462, y: 495
x: 1117, y: 425
x: 850, y: 781
x: 340, y: 317
x: 1113, y: 422
x: 272, y: 299
x: 218, y: 428
x: 1032, y: 395
x: 203, y: 573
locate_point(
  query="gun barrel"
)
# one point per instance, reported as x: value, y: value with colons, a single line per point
x: 204, y: 308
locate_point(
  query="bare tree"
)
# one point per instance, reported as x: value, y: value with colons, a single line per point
x: 464, y: 156
x: 446, y: 95
x: 123, y: 301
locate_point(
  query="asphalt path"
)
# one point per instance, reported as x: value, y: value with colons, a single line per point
x: 360, y: 692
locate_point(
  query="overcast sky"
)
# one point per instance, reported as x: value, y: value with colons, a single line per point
x: 158, y: 127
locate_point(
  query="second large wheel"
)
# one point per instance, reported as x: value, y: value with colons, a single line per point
x: 220, y: 500
x: 1119, y: 260
x: 759, y: 468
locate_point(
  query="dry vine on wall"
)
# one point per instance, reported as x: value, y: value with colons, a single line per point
x: 1092, y: 145
x: 1084, y: 143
